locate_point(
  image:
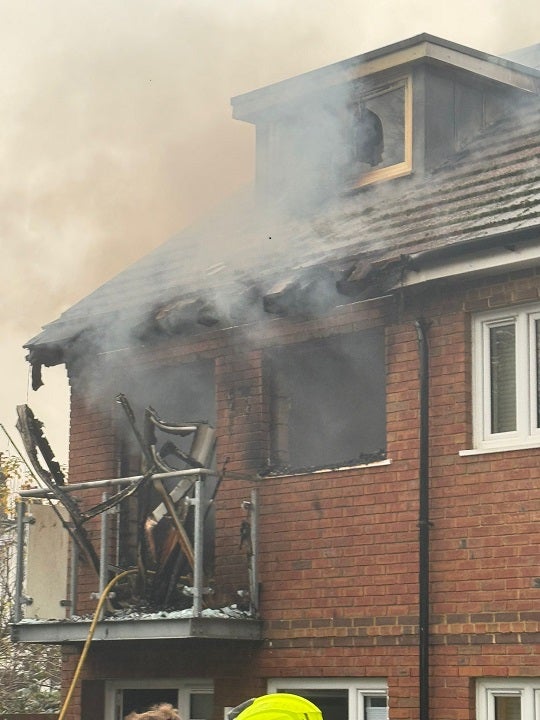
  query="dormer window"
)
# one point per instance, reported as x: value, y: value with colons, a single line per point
x: 368, y: 137
x: 352, y: 134
x: 380, y: 132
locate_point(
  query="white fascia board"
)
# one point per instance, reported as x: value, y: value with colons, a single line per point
x: 495, y: 260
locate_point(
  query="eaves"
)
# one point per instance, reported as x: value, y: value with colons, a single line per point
x: 487, y: 256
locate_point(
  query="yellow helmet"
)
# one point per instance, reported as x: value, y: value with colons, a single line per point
x: 276, y: 706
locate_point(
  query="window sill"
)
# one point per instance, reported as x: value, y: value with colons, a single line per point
x: 292, y: 473
x: 500, y: 448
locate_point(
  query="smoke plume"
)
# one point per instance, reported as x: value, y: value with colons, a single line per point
x: 115, y: 129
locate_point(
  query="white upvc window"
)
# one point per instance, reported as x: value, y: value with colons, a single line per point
x: 508, y: 699
x: 193, y: 698
x: 506, y: 352
x: 340, y: 698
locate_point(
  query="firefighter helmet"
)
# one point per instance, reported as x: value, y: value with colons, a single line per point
x: 276, y: 706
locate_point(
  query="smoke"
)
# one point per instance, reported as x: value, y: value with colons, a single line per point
x: 115, y: 127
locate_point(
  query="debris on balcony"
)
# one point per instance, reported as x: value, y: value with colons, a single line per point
x: 36, y: 444
x: 166, y: 504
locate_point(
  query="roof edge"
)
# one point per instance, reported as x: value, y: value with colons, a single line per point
x: 423, y: 46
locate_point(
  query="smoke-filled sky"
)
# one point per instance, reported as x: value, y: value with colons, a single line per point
x: 116, y: 131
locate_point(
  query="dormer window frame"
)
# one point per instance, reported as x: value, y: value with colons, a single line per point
x: 404, y: 167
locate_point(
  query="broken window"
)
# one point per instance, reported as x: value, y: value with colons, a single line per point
x: 380, y: 133
x: 327, y: 402
x: 184, y: 392
x: 352, y: 135
x: 161, y: 400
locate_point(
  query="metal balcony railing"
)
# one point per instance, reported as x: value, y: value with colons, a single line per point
x: 31, y: 503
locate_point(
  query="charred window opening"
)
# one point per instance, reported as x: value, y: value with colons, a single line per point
x: 380, y: 133
x: 178, y: 395
x: 327, y: 402
x: 367, y: 136
x: 352, y: 135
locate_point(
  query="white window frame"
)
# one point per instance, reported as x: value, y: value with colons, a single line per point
x: 184, y: 687
x: 526, y: 434
x: 358, y: 689
x: 488, y: 689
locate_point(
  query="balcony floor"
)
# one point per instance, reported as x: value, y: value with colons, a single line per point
x: 76, y: 631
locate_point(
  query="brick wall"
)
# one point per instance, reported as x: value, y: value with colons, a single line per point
x: 339, y: 550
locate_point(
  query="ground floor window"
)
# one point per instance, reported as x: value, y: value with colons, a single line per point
x: 194, y: 699
x: 508, y: 699
x: 340, y: 699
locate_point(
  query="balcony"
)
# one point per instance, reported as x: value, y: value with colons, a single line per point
x: 163, y: 593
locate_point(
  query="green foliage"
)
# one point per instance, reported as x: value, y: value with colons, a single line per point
x: 29, y: 677
x: 29, y: 674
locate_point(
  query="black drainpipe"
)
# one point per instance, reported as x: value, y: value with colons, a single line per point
x: 423, y: 523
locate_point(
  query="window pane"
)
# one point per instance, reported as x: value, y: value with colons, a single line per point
x: 375, y: 707
x: 508, y: 708
x: 537, y: 346
x: 502, y: 349
x: 333, y: 704
x: 201, y: 706
x: 140, y: 700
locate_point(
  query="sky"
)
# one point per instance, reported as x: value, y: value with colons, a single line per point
x: 116, y: 132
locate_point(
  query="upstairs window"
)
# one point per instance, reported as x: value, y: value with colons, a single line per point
x: 327, y: 402
x: 506, y: 347
x: 178, y: 395
x: 380, y: 133
x: 352, y: 135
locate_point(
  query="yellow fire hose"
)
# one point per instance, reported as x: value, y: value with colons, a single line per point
x: 89, y: 637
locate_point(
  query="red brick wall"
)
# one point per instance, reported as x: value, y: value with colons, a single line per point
x: 92, y: 456
x: 339, y: 550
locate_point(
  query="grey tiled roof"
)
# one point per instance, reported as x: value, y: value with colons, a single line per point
x: 491, y: 188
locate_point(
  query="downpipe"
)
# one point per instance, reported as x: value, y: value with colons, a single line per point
x: 423, y: 523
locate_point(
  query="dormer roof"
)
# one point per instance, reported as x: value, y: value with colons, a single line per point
x: 528, y: 56
x: 406, y: 53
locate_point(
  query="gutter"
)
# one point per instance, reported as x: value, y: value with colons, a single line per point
x: 486, y: 255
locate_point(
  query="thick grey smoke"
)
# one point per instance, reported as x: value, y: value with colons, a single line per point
x: 115, y: 128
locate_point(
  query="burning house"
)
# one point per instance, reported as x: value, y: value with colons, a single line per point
x: 305, y: 433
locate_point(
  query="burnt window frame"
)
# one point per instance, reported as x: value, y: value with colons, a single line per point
x: 339, y: 177
x: 406, y: 165
x: 278, y: 462
x: 129, y: 457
